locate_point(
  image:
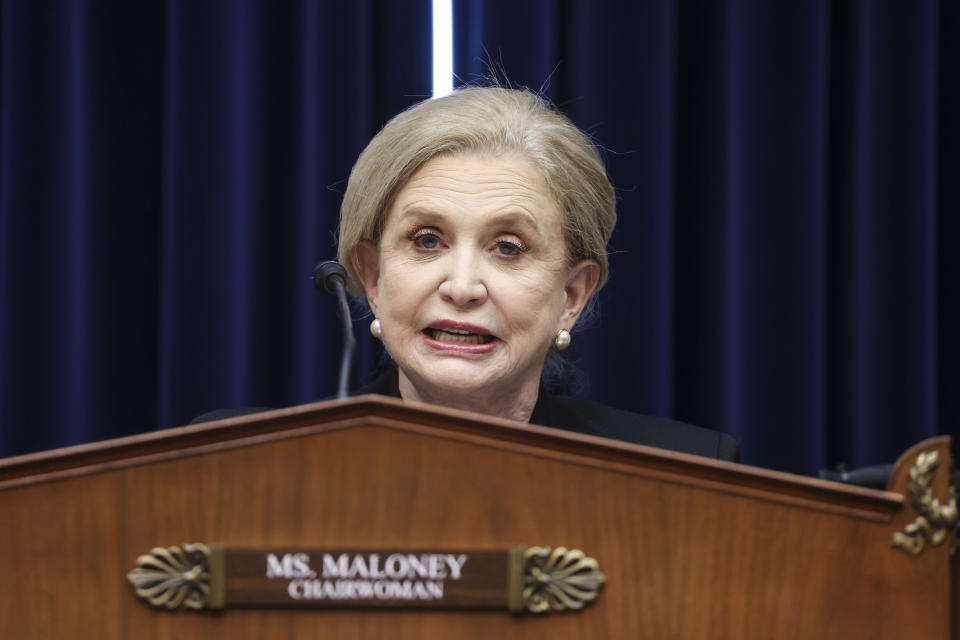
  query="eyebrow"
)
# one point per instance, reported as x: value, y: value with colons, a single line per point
x: 508, y: 216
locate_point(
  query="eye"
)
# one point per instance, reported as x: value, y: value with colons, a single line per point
x: 425, y: 239
x: 512, y: 247
x: 507, y: 248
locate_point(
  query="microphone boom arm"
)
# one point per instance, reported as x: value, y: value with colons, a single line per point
x: 330, y: 277
x: 349, y: 340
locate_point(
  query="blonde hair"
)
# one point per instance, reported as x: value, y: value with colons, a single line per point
x: 483, y: 119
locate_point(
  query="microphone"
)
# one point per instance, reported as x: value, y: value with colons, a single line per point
x: 330, y: 277
x: 874, y: 477
x: 327, y: 274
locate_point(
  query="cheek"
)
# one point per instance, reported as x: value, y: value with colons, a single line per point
x: 533, y: 299
x: 401, y: 293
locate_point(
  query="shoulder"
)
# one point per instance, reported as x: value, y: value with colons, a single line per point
x: 385, y: 384
x: 223, y: 414
x: 595, y: 419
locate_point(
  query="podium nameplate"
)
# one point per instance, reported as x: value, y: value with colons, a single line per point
x: 535, y: 579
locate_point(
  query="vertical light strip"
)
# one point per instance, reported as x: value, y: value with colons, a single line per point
x: 442, y: 47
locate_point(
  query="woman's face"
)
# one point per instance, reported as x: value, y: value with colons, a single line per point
x: 470, y: 280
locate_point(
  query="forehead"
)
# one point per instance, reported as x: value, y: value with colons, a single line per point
x: 478, y: 183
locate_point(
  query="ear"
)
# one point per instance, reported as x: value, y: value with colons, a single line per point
x: 365, y: 258
x: 581, y: 283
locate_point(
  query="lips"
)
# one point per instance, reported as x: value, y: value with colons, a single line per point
x: 463, y: 337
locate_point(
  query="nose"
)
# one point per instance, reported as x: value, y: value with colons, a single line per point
x: 463, y: 284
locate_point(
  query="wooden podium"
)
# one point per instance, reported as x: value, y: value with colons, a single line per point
x: 689, y: 547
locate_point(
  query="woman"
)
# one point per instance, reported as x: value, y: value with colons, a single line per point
x: 476, y: 227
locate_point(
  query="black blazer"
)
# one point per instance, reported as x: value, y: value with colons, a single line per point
x: 595, y: 419
x: 581, y: 416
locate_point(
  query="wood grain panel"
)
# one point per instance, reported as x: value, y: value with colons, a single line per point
x: 691, y: 548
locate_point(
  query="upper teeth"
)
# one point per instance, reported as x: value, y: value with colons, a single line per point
x: 460, y: 331
x: 459, y: 336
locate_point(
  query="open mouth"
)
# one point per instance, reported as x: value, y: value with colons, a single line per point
x: 455, y: 335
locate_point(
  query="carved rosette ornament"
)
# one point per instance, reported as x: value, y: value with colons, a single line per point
x: 934, y: 520
x: 559, y: 580
x: 173, y: 577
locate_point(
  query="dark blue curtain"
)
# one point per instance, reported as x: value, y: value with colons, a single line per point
x: 170, y: 173
x: 785, y: 267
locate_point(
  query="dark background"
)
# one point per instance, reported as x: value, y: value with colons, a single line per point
x: 786, y: 265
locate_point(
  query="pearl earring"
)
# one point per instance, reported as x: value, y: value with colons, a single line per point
x: 376, y: 330
x: 562, y: 340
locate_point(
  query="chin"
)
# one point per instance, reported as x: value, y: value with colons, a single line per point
x: 459, y: 377
x: 456, y: 376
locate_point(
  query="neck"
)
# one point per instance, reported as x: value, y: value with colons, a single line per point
x: 514, y: 405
